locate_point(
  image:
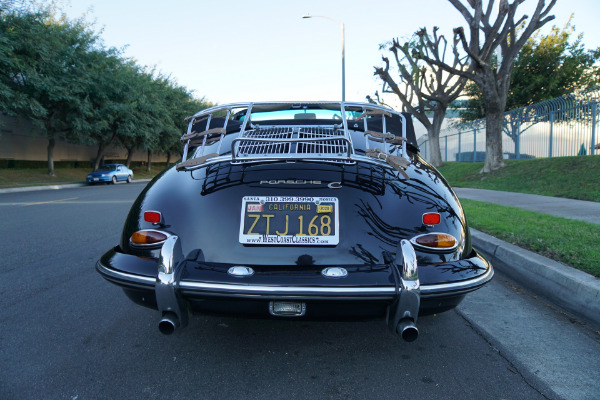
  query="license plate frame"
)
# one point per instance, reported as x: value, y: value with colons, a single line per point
x: 289, y: 221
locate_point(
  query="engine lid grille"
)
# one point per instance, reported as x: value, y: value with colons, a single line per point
x: 312, y: 142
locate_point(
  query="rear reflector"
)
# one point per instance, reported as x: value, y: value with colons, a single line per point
x: 154, y: 217
x: 148, y: 237
x: 431, y: 219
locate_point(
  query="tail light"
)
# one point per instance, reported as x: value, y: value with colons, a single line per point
x: 154, y: 217
x: 432, y: 219
x: 435, y: 241
x: 148, y: 237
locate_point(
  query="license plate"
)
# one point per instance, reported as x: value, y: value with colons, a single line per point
x: 289, y: 220
x: 96, y: 179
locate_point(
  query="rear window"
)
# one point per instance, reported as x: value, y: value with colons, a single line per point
x: 305, y: 113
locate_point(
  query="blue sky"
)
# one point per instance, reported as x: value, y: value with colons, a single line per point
x: 263, y: 50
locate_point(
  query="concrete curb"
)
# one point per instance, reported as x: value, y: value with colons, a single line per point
x: 55, y: 187
x: 564, y: 286
x: 45, y: 187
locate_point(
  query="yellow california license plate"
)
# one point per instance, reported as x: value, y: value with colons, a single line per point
x: 289, y: 220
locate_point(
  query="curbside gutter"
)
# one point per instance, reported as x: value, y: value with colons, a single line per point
x: 569, y: 288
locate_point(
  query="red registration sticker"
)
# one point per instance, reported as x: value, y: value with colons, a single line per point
x: 254, y: 207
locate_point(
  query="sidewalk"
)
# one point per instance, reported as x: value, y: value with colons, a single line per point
x: 587, y: 211
x: 567, y: 287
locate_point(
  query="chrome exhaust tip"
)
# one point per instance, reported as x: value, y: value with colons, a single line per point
x: 407, y: 329
x: 168, y: 323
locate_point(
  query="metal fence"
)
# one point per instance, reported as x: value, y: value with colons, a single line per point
x: 564, y: 126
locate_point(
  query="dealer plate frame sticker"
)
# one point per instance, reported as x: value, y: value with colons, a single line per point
x: 289, y: 221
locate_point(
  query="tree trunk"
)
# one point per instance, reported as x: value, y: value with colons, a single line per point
x: 168, y: 158
x: 433, y: 130
x: 99, y: 156
x: 493, y: 141
x: 515, y: 133
x: 51, y: 143
x: 101, y: 148
x: 148, y: 166
x: 129, y: 156
x: 494, y: 96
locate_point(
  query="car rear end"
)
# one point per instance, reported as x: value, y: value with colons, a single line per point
x: 307, y: 218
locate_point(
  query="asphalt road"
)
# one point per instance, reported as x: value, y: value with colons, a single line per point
x: 65, y: 333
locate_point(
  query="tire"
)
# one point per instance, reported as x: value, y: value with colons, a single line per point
x: 114, y: 180
x: 128, y: 178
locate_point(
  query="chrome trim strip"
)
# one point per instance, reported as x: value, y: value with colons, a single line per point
x: 426, y: 290
x: 280, y: 290
x: 473, y: 283
x: 125, y: 276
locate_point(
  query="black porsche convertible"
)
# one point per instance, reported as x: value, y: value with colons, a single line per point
x: 298, y: 210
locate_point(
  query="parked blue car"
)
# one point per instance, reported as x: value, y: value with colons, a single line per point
x: 110, y: 173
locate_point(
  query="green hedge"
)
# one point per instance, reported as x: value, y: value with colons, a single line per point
x: 19, y: 164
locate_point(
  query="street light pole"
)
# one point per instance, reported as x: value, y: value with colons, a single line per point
x: 343, y: 50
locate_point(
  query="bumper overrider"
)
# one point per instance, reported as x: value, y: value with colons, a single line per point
x: 173, y: 293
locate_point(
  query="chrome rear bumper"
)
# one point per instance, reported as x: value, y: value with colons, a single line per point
x: 241, y: 290
x: 172, y: 292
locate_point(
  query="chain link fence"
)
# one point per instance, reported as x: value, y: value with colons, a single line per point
x: 564, y: 126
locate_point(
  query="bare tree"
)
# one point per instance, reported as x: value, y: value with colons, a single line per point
x: 424, y: 88
x: 490, y: 75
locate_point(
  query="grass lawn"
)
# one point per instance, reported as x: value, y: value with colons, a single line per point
x: 570, y: 177
x: 19, y: 177
x: 575, y: 243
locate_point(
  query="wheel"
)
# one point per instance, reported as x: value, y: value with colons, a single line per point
x: 114, y: 180
x: 128, y: 178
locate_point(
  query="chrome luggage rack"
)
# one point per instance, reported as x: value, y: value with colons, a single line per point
x: 251, y: 141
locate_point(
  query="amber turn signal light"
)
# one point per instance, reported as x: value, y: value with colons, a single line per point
x: 439, y: 241
x: 147, y: 237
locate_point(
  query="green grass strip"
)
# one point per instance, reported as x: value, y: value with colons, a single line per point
x: 575, y: 177
x: 575, y: 243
